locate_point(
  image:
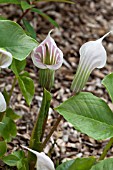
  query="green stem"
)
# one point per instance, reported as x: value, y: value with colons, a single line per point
x: 35, y: 141
x: 11, y: 91
x: 1, y: 116
x: 107, y: 147
x: 52, y: 130
x: 46, y: 78
x: 44, y: 126
x: 21, y: 17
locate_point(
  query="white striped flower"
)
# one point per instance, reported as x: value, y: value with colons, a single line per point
x: 43, y: 161
x: 2, y: 103
x: 5, y: 58
x: 92, y: 55
x: 47, y: 55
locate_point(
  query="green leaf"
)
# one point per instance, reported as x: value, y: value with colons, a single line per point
x: 18, y: 159
x: 18, y: 66
x: 23, y: 164
x: 8, y: 129
x: 83, y: 163
x: 78, y: 164
x: 88, y: 114
x: 108, y: 83
x: 25, y: 73
x: 3, y: 148
x: 65, y: 165
x: 11, y: 114
x: 45, y: 16
x: 30, y: 30
x: 14, y: 40
x: 106, y: 164
x: 26, y: 85
x: 25, y: 5
x: 19, y: 154
x: 10, y: 1
x: 10, y: 160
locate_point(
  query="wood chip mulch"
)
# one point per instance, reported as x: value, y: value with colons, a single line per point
x: 81, y: 22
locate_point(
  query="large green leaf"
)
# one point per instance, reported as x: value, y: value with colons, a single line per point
x: 106, y: 164
x: 26, y: 85
x: 89, y: 114
x: 14, y: 40
x: 10, y: 1
x: 108, y: 83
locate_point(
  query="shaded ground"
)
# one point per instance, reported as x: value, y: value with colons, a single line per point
x: 81, y: 22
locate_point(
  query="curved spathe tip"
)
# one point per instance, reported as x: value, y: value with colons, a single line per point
x: 50, y: 32
x: 104, y: 36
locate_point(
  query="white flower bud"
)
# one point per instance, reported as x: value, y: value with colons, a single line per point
x: 43, y: 161
x: 2, y: 103
x: 92, y: 55
x: 47, y: 55
x: 5, y: 58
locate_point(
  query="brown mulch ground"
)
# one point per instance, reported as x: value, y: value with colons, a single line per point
x: 85, y: 20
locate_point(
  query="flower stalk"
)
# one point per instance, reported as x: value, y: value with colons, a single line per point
x: 106, y: 149
x: 46, y: 78
x: 52, y: 131
x: 35, y: 141
x: 48, y: 58
x: 11, y: 91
